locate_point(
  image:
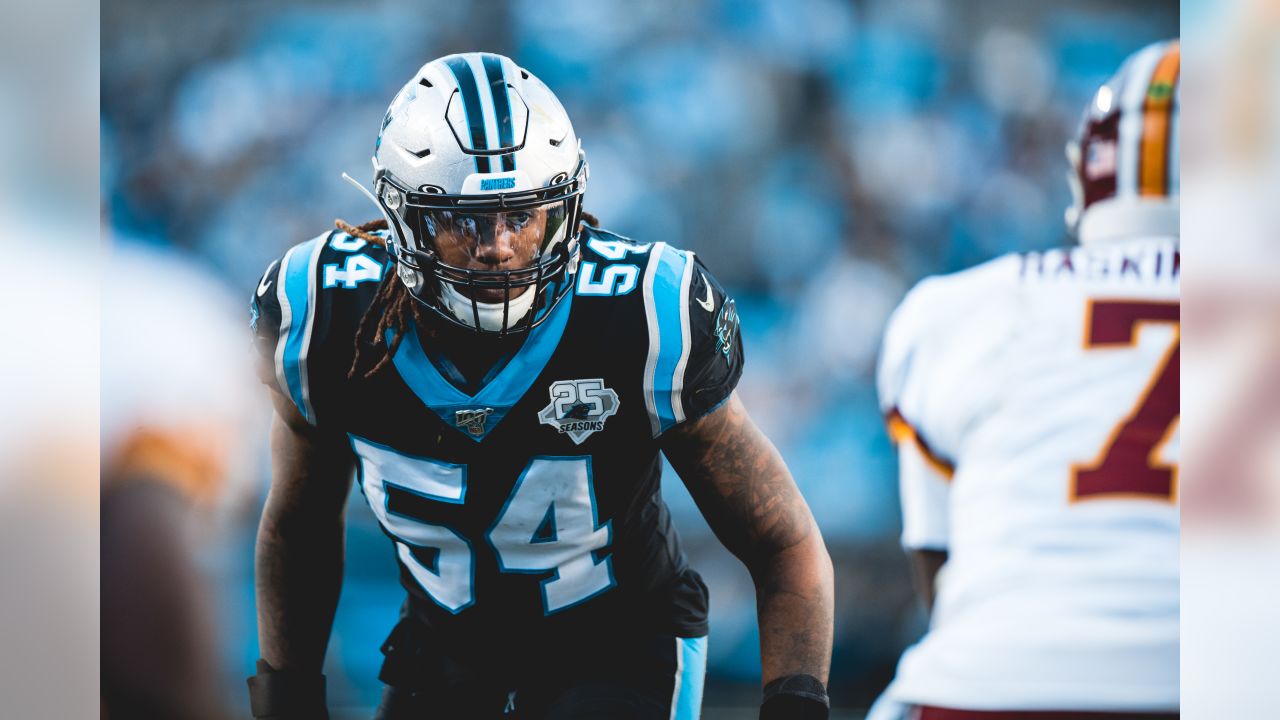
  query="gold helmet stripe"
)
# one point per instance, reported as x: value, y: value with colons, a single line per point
x: 1153, y: 176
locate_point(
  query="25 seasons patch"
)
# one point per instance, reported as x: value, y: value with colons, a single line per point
x: 579, y: 408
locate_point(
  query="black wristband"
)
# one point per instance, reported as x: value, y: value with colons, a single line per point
x: 286, y: 694
x: 795, y: 697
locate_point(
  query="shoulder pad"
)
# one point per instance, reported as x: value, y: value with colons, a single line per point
x: 316, y: 293
x: 695, y: 347
x: 610, y: 264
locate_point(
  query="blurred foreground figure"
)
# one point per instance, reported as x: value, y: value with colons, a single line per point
x: 48, y: 476
x: 1034, y: 400
x: 1231, y: 382
x: 175, y: 412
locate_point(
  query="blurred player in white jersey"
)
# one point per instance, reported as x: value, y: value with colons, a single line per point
x: 1034, y: 402
x: 178, y: 442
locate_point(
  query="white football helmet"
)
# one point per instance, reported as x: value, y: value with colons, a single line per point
x: 1124, y: 160
x: 471, y: 143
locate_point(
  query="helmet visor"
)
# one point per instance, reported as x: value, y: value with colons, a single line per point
x: 487, y: 261
x: 491, y: 256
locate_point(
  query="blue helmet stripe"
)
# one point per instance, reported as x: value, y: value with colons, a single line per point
x: 471, y: 108
x: 501, y: 107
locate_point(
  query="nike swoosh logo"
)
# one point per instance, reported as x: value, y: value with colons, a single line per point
x: 266, y: 279
x: 707, y: 304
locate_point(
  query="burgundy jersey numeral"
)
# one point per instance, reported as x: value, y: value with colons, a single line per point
x: 1128, y: 465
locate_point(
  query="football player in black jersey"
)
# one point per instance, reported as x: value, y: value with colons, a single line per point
x: 500, y: 376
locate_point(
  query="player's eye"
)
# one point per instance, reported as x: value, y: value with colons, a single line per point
x: 518, y: 219
x: 465, y: 224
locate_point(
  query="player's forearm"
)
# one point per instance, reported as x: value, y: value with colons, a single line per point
x: 749, y: 498
x: 298, y: 576
x: 299, y: 554
x: 795, y: 601
x: 925, y: 564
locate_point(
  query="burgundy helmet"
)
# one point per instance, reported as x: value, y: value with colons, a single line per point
x: 1124, y: 159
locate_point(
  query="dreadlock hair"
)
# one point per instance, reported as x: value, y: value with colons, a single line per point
x: 392, y: 306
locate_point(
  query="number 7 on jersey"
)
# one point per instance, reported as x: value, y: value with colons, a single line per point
x: 1127, y: 464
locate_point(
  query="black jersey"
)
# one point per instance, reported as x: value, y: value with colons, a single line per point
x: 529, y: 511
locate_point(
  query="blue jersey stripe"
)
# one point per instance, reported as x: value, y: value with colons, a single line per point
x: 666, y: 292
x: 501, y: 393
x: 471, y: 108
x: 686, y: 339
x: 298, y: 280
x: 687, y: 702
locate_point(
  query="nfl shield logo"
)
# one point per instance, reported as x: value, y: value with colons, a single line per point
x: 472, y: 420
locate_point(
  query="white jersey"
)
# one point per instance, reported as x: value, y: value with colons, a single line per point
x: 1035, y: 403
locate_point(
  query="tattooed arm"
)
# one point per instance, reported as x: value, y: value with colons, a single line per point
x: 746, y: 493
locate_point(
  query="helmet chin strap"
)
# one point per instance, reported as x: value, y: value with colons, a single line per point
x: 411, y: 279
x: 391, y: 224
x: 490, y: 313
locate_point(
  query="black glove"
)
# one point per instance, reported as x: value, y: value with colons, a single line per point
x: 286, y: 694
x: 795, y: 697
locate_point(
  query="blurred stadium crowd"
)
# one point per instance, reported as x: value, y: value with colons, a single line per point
x: 820, y: 155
